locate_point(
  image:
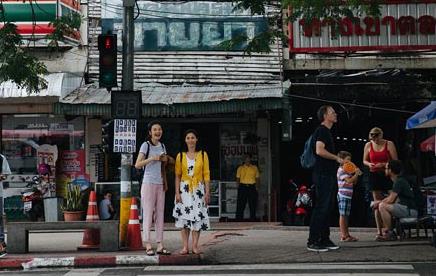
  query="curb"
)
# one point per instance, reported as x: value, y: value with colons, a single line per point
x: 98, y: 261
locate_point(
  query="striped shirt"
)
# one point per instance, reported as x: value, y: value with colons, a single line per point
x: 345, y: 189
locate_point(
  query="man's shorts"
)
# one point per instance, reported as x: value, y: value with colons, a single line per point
x: 344, y: 205
x: 402, y: 211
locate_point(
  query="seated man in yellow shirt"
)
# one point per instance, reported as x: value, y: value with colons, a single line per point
x: 247, y: 178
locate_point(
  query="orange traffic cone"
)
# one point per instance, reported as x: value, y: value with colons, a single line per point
x: 91, y: 237
x: 134, y: 240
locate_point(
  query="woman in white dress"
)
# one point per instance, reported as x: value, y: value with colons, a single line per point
x: 192, y: 178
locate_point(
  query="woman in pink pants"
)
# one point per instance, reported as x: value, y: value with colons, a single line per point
x: 153, y: 157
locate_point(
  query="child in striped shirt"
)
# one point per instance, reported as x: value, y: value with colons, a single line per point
x: 346, y: 182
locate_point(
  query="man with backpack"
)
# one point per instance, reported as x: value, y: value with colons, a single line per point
x: 324, y: 178
x: 400, y: 202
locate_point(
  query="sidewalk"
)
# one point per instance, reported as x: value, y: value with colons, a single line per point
x: 227, y: 243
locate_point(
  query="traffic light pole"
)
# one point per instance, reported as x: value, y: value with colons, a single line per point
x: 127, y: 84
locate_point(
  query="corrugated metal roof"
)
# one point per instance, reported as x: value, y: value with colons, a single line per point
x: 160, y: 100
x: 168, y: 95
x: 177, y: 110
x: 58, y: 85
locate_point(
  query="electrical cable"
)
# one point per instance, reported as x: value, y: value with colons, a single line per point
x: 350, y: 104
x: 32, y: 36
x: 40, y: 8
x: 2, y: 12
x: 137, y: 7
x: 182, y: 13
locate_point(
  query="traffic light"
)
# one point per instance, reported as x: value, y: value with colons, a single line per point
x: 107, y: 136
x: 107, y: 47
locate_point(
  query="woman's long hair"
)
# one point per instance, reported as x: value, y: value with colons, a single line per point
x: 149, y: 126
x: 184, y: 147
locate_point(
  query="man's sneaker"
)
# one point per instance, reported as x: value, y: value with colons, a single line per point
x: 329, y: 245
x: 315, y: 247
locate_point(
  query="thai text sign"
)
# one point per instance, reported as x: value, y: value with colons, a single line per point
x: 190, y: 26
x: 125, y: 135
x: 401, y: 27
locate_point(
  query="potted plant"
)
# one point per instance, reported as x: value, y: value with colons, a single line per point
x: 73, y: 207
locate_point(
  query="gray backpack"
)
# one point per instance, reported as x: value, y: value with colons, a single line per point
x: 308, y: 158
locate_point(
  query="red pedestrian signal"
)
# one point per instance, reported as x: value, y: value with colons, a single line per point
x: 107, y: 47
x: 108, y: 43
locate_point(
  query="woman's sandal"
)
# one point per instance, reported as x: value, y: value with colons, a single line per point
x: 388, y: 237
x: 184, y: 252
x: 349, y: 238
x: 197, y: 252
x: 149, y: 252
x: 163, y: 251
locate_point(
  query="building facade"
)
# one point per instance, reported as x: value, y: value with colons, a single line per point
x: 375, y: 71
x: 188, y: 80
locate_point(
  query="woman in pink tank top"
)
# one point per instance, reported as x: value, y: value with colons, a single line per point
x: 376, y: 154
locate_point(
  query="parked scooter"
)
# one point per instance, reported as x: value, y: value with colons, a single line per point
x: 288, y: 214
x: 298, y: 205
x: 33, y: 200
x: 303, y: 206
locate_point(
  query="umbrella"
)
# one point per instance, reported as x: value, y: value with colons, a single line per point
x: 428, y: 144
x: 424, y: 118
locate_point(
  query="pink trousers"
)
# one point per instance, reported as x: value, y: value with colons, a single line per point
x: 153, y: 205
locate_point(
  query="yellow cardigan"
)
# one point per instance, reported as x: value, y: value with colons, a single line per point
x: 201, y: 169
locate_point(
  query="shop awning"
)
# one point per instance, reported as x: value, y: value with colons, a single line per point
x: 161, y: 100
x: 58, y: 86
x: 424, y: 118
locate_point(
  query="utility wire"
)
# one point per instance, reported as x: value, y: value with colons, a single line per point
x: 40, y: 8
x: 2, y: 12
x: 183, y: 13
x: 32, y: 36
x: 137, y: 7
x: 351, y: 104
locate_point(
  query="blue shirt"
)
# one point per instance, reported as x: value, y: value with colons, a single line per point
x: 104, y: 209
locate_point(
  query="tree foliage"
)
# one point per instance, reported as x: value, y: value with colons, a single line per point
x: 63, y: 26
x: 305, y: 9
x: 17, y: 64
x: 333, y: 9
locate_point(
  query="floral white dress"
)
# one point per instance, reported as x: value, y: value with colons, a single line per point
x: 192, y: 212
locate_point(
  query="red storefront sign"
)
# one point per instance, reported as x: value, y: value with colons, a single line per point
x: 73, y: 163
x: 402, y: 26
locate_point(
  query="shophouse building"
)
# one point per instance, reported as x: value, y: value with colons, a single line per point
x: 375, y: 71
x: 188, y: 80
x: 31, y: 131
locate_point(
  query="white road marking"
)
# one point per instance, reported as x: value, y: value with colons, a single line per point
x: 300, y: 274
x: 300, y: 266
x: 87, y: 272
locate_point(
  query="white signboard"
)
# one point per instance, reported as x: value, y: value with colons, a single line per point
x: 125, y: 135
x: 401, y: 26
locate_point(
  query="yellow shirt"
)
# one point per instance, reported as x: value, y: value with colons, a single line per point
x: 247, y: 174
x: 201, y: 169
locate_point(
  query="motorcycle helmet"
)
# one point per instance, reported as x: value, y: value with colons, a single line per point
x: 44, y: 169
x: 302, y: 189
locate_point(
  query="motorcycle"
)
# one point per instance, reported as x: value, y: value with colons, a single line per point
x: 303, y: 206
x: 33, y: 200
x: 288, y: 214
x: 298, y: 205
